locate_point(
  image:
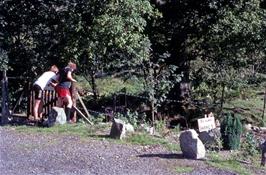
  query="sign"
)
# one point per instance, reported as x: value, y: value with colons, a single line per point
x: 206, y: 124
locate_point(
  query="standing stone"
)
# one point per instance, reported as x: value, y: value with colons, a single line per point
x: 118, y: 130
x: 191, y: 145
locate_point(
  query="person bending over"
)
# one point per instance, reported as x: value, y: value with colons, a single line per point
x: 39, y: 85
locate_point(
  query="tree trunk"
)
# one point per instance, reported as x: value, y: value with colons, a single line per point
x: 94, y: 87
x: 264, y: 105
x: 222, y: 98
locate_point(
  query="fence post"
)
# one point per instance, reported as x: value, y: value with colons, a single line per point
x: 5, y: 109
x: 222, y: 98
x: 264, y: 105
x: 29, y: 99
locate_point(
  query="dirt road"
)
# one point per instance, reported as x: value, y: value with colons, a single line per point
x: 51, y: 154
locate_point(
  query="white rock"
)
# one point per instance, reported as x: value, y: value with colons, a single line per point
x: 129, y: 128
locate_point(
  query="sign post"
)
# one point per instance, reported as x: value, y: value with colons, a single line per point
x: 206, y: 124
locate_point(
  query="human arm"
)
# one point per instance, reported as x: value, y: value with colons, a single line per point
x: 69, y: 76
x: 54, y: 83
x: 54, y: 80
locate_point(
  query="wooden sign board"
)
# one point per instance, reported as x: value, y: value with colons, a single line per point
x: 206, y: 124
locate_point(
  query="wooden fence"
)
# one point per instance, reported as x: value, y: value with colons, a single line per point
x: 49, y: 100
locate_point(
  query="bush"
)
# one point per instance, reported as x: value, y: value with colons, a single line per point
x: 128, y: 117
x: 250, y: 145
x: 231, y: 129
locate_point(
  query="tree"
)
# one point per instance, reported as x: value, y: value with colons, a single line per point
x: 116, y: 39
x: 215, y: 33
x: 232, y: 53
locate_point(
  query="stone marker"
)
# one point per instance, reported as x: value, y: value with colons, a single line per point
x: 118, y: 130
x: 191, y: 145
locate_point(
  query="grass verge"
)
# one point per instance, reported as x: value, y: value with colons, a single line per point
x: 229, y: 164
x: 100, y: 132
x: 146, y: 139
x: 78, y: 129
x: 181, y: 170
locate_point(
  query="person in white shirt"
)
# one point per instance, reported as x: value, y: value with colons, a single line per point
x: 39, y: 85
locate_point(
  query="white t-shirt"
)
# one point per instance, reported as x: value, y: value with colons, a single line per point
x: 45, y: 79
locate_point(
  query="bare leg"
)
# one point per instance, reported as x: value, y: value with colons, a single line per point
x: 36, y: 109
x: 60, y: 102
x: 68, y: 107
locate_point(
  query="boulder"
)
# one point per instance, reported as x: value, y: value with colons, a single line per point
x: 208, y: 137
x: 56, y: 116
x: 60, y: 115
x: 118, y: 130
x: 248, y: 127
x: 191, y: 145
x: 129, y: 128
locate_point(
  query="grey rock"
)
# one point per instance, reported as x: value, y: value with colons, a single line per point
x: 208, y: 137
x: 118, y: 129
x: 191, y: 145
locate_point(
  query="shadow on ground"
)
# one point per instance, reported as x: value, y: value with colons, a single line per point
x: 106, y: 136
x: 163, y: 156
x: 18, y: 121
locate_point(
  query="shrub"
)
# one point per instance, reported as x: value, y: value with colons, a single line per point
x: 250, y: 145
x: 231, y: 129
x: 128, y: 117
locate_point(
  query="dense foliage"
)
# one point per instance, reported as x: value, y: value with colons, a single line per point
x: 210, y: 45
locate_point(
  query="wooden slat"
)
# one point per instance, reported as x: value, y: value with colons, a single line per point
x: 74, y: 93
x: 83, y: 105
x: 19, y: 100
x: 82, y: 115
x: 28, y: 99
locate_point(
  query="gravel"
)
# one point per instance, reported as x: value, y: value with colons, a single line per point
x: 51, y: 154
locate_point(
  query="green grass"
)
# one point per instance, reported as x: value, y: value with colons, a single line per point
x: 227, y: 164
x: 251, y: 109
x: 180, y: 170
x: 100, y: 132
x: 145, y: 139
x: 109, y: 85
x: 79, y: 129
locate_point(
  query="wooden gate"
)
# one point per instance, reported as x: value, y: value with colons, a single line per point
x: 49, y: 100
x: 27, y: 95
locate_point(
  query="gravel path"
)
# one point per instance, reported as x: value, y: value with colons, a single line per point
x: 49, y: 154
